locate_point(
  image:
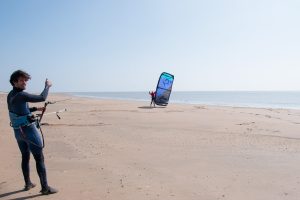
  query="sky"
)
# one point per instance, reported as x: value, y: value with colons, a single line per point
x: 124, y: 45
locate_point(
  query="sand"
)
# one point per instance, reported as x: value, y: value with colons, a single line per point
x: 124, y: 150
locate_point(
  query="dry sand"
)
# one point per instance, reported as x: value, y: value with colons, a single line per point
x: 122, y: 150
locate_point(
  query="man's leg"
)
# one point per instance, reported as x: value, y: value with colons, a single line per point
x: 37, y: 151
x: 24, y: 149
x: 25, y: 161
x: 41, y: 170
x: 40, y: 167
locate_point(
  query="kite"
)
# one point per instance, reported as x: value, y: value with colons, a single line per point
x: 163, y: 89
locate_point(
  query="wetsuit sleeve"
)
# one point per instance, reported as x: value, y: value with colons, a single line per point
x: 36, y: 98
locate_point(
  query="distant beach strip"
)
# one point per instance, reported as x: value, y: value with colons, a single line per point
x: 255, y: 99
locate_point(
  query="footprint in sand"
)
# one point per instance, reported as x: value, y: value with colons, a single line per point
x: 199, y: 107
x: 2, y: 183
x: 246, y: 123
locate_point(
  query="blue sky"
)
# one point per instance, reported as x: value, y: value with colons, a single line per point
x: 124, y: 45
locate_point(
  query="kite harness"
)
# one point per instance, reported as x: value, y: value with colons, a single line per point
x: 22, y: 121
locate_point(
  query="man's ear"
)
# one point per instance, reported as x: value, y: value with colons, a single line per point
x: 15, y: 82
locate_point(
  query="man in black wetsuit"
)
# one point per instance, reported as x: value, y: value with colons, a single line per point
x: 26, y: 133
x: 152, y: 94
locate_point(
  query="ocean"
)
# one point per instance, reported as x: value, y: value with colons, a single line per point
x: 256, y: 99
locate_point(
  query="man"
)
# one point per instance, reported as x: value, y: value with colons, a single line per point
x: 152, y: 94
x: 25, y: 128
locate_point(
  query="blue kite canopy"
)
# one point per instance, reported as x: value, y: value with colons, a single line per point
x: 164, y: 89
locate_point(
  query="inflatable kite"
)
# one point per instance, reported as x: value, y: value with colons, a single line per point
x: 164, y: 89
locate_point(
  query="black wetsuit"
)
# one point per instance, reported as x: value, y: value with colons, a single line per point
x: 28, y: 137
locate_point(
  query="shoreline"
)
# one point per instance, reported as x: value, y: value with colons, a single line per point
x: 180, y: 103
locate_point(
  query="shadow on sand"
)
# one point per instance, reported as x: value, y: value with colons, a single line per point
x: 10, y: 193
x: 145, y: 107
x: 149, y: 107
x: 27, y: 197
x: 19, y: 198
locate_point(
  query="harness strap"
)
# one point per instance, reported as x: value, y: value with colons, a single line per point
x: 29, y: 141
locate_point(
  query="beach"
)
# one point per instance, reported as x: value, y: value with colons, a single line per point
x: 113, y: 149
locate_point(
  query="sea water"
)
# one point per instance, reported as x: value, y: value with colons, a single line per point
x: 258, y: 99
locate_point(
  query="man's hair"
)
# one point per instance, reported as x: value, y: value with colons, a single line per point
x: 16, y: 75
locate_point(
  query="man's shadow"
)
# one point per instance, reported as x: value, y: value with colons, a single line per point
x: 19, y: 198
x: 10, y: 193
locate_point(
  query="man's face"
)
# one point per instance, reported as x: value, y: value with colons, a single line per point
x: 21, y: 83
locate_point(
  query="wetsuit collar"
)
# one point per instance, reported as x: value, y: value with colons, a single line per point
x: 17, y: 89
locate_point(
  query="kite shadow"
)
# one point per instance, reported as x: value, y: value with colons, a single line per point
x: 150, y: 107
x: 145, y: 107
